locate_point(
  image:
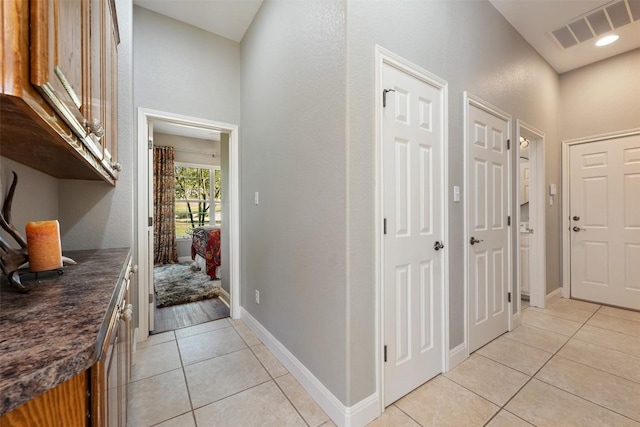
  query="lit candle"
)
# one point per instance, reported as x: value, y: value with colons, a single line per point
x: 43, y: 243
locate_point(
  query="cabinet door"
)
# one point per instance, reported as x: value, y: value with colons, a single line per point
x: 94, y: 90
x: 60, y: 60
x: 110, y: 81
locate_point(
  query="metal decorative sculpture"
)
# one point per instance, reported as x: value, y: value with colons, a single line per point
x: 12, y: 259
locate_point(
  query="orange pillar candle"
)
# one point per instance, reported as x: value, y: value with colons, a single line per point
x: 43, y: 243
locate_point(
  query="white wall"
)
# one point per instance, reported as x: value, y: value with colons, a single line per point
x: 601, y: 98
x: 293, y: 153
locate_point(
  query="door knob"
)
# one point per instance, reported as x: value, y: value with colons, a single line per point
x: 473, y: 240
x: 578, y: 229
x: 438, y: 245
x: 576, y: 218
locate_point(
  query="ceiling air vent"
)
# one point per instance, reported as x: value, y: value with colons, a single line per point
x: 600, y: 21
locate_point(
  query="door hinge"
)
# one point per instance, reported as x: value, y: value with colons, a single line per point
x: 384, y: 96
x: 150, y: 222
x: 150, y: 298
x: 508, y: 144
x: 384, y: 226
x: 385, y: 353
x: 509, y: 220
x: 508, y: 296
x: 150, y: 144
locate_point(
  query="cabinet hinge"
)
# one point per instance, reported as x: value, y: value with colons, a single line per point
x: 508, y: 144
x: 150, y: 298
x: 384, y: 96
x: 385, y: 353
x: 508, y: 296
x: 384, y: 226
x: 509, y: 220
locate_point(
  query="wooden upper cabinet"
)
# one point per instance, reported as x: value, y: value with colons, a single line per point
x: 59, y: 86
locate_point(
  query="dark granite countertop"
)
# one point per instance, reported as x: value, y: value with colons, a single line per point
x: 55, y: 331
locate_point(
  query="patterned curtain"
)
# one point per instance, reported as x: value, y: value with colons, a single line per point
x: 164, y: 207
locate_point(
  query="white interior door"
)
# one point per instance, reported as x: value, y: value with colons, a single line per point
x: 413, y: 139
x: 488, y: 230
x: 605, y: 221
x: 152, y: 305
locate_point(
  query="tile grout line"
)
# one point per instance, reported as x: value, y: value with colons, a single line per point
x: 186, y: 383
x: 587, y: 400
x: 542, y: 367
x: 503, y: 407
x: 280, y: 388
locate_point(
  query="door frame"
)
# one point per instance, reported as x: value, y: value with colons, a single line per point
x: 382, y: 57
x: 146, y: 115
x: 473, y: 100
x: 566, y: 232
x: 538, y: 240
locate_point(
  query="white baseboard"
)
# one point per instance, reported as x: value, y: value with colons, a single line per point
x: 224, y: 296
x: 553, y: 297
x: 357, y: 415
x: 457, y: 356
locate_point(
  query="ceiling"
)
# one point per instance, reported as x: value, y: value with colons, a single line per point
x: 227, y: 18
x: 536, y: 19
x: 533, y: 19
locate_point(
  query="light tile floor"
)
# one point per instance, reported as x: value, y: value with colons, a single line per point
x: 572, y: 364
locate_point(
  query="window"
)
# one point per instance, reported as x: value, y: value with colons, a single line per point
x: 198, y: 189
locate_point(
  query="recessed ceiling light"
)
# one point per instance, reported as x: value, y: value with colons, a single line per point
x: 607, y: 40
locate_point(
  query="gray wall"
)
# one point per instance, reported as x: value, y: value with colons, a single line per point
x: 297, y: 136
x: 469, y: 44
x: 293, y: 152
x: 184, y: 70
x: 35, y: 198
x: 181, y: 69
x: 601, y: 98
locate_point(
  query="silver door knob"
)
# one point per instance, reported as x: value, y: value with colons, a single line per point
x: 576, y: 218
x: 473, y: 240
x: 578, y: 229
x: 438, y: 245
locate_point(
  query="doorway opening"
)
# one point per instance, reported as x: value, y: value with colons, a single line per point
x: 530, y: 219
x: 145, y: 201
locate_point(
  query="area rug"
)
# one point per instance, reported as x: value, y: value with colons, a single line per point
x: 179, y: 284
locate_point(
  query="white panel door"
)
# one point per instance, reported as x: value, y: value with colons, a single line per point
x: 413, y: 138
x: 605, y: 221
x: 488, y: 208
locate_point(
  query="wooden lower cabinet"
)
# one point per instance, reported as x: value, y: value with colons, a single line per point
x: 110, y: 378
x: 96, y: 397
x: 64, y: 405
